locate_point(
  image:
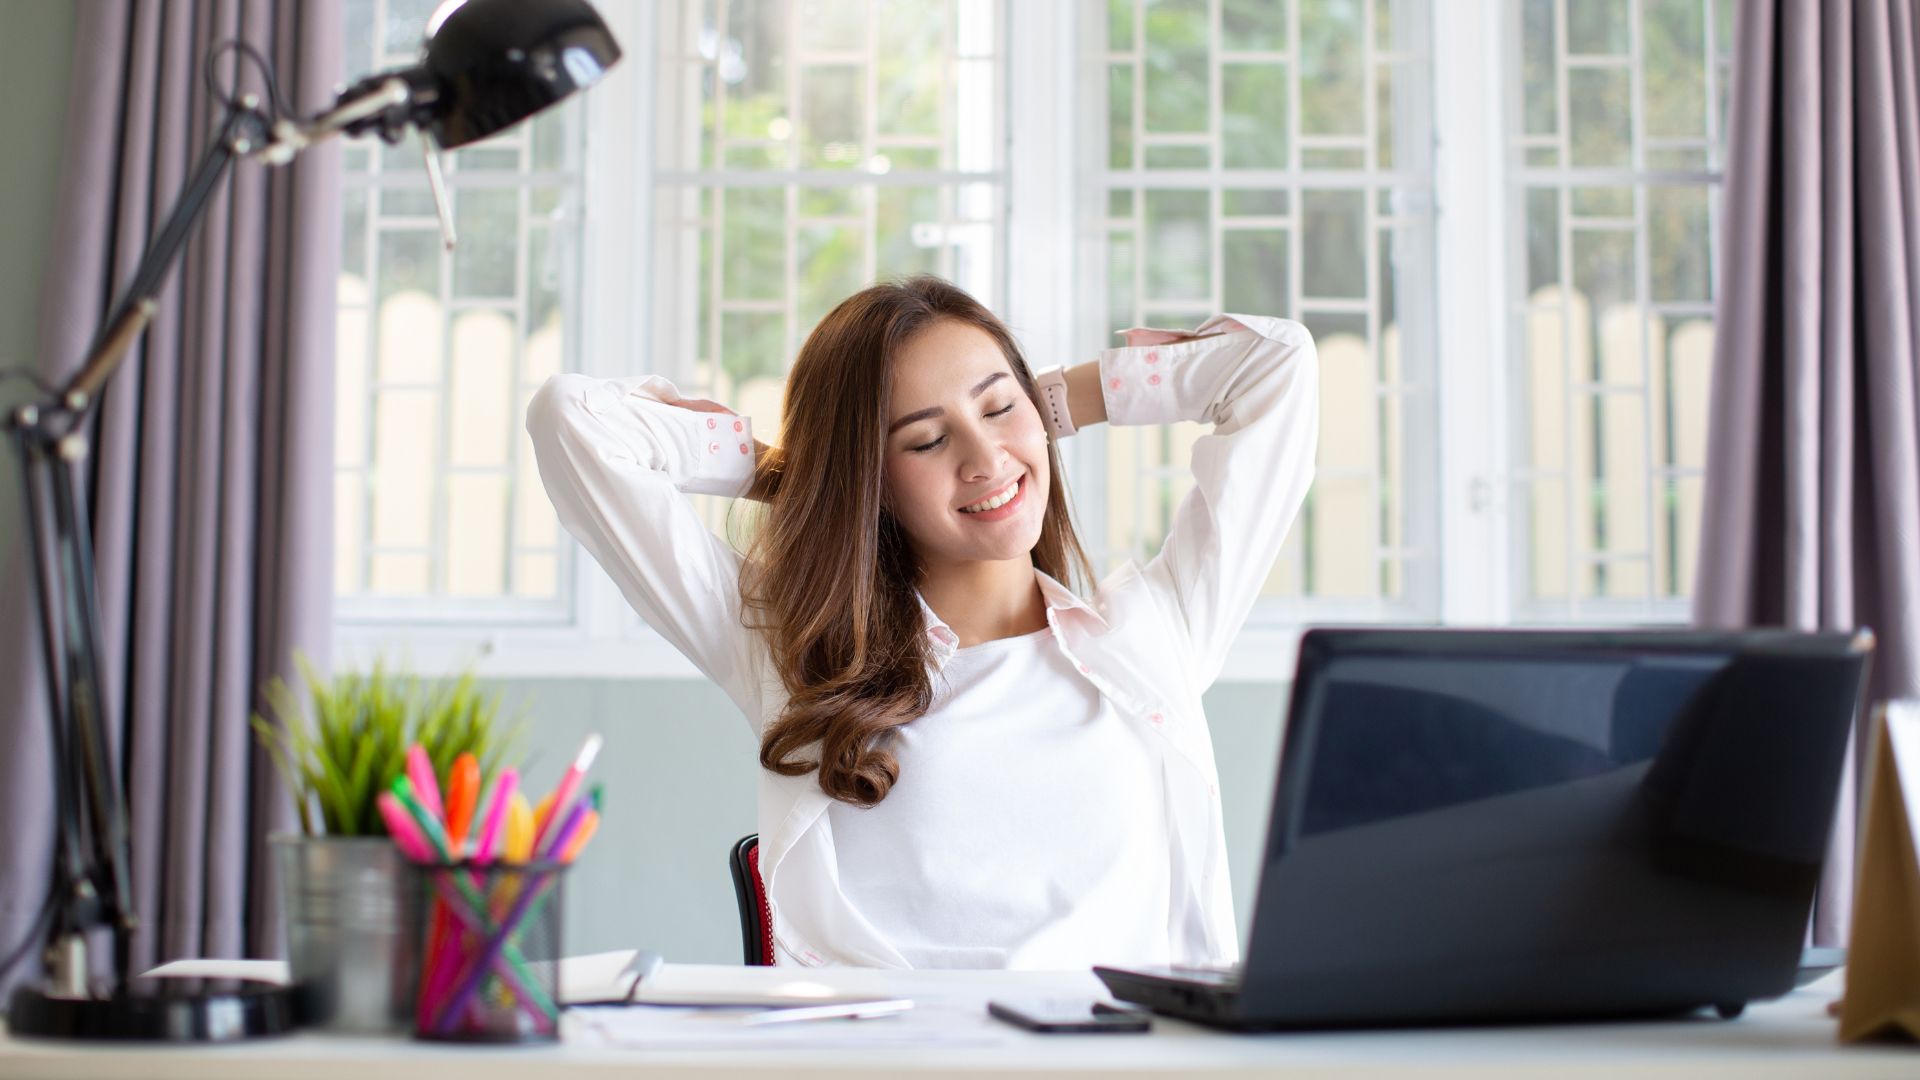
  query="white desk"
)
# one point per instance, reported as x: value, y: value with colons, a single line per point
x: 1792, y: 1037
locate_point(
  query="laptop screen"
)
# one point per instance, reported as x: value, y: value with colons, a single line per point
x: 1416, y: 733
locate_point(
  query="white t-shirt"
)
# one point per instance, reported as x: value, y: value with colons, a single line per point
x: 1027, y: 829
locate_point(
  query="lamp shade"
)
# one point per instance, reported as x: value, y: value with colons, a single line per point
x: 493, y: 63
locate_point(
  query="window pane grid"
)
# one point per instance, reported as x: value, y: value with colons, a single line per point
x: 818, y: 148
x: 1270, y: 157
x: 439, y: 352
x: 1617, y: 151
x: 1211, y: 205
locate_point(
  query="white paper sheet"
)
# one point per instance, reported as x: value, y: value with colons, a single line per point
x: 271, y: 971
x: 655, y: 1027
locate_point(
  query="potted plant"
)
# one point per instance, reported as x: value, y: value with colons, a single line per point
x: 351, y: 927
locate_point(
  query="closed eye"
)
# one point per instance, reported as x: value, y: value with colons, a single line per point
x: 935, y: 444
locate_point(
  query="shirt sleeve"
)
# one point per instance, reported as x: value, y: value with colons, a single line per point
x: 616, y: 458
x: 1257, y: 381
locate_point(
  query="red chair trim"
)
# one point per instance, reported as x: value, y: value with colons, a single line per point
x: 766, y: 910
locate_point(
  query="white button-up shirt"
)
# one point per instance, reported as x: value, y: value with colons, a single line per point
x: 615, y: 457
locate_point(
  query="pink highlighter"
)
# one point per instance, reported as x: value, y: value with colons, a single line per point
x: 426, y: 787
x: 557, y: 808
x: 495, y: 825
x: 406, y: 832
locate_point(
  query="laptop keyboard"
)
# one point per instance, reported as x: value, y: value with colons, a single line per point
x: 1211, y: 974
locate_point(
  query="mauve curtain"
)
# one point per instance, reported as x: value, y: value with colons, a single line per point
x: 1813, y: 460
x: 210, y: 483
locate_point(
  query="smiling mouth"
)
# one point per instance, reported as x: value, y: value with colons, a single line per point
x: 996, y: 500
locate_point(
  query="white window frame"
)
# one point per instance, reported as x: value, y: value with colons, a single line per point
x: 1048, y: 233
x: 1471, y: 260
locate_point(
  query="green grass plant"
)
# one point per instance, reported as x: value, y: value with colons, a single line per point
x: 338, y: 754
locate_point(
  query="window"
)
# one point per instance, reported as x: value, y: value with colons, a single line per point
x: 439, y: 514
x: 1615, y: 128
x: 754, y: 161
x: 1274, y: 158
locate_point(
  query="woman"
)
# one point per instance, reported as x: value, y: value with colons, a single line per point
x: 964, y: 763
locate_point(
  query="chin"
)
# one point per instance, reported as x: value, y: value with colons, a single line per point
x: 1013, y: 551
x: 1011, y: 545
x: 1015, y: 547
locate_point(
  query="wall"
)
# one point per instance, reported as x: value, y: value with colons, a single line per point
x: 36, y: 53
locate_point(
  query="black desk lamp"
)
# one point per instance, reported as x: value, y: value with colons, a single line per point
x: 485, y: 66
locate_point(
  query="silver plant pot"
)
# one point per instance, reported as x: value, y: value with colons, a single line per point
x: 352, y: 931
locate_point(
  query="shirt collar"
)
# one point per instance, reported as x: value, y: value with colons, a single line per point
x: 1058, y: 597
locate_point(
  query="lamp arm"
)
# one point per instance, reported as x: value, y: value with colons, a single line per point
x: 384, y: 103
x: 241, y: 130
x: 37, y: 484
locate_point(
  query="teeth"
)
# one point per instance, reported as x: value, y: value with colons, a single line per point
x: 995, y: 502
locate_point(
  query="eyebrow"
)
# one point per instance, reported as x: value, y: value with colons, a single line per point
x: 924, y: 414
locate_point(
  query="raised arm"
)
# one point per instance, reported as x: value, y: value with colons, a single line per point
x: 1257, y: 381
x: 617, y: 457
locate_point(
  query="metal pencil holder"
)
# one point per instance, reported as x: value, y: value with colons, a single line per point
x: 490, y: 971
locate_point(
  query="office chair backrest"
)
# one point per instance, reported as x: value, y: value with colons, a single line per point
x: 756, y: 918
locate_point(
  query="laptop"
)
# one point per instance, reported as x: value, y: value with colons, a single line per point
x: 1496, y: 826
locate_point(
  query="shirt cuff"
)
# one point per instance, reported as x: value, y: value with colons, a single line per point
x: 721, y: 456
x: 708, y: 453
x: 1161, y: 376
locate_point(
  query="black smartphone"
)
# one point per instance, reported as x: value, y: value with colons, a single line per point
x: 1055, y: 1016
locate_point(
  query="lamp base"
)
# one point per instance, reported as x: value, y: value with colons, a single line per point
x: 158, y: 1010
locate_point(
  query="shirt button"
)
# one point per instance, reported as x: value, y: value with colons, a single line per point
x: 712, y: 423
x: 1153, y: 357
x: 738, y: 426
x: 1084, y: 669
x: 1156, y: 718
x: 713, y: 448
x: 1153, y: 379
x: 1114, y: 384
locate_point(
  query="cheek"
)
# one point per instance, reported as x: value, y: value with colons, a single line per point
x: 1032, y: 440
x: 1029, y: 442
x: 1029, y: 431
x: 911, y: 487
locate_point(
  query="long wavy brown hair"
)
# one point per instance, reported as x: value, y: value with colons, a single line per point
x: 830, y: 576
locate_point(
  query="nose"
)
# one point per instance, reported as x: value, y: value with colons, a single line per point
x: 982, y: 456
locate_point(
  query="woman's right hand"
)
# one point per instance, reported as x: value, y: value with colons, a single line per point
x: 702, y: 405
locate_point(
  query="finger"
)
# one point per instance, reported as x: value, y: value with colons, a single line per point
x: 1142, y: 335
